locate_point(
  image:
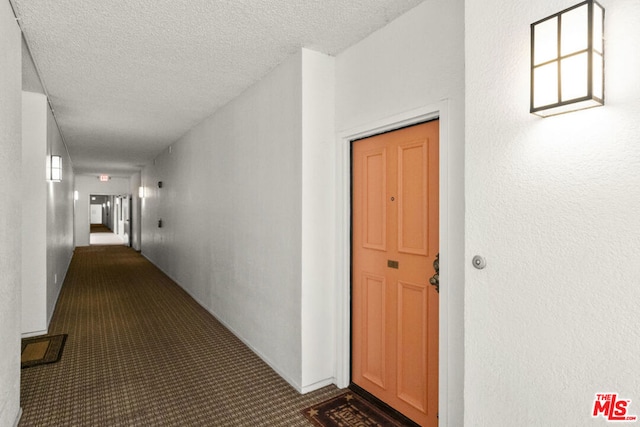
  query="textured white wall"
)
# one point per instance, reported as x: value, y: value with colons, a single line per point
x: 318, y: 220
x: 87, y: 185
x: 415, y: 61
x: 10, y: 216
x: 552, y: 204
x: 231, y: 209
x: 34, y: 213
x: 59, y: 218
x: 47, y: 208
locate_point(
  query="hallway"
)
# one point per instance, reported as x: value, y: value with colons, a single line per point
x: 140, y: 351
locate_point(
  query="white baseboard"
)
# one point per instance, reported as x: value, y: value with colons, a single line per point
x: 15, y: 424
x: 318, y: 385
x: 35, y: 333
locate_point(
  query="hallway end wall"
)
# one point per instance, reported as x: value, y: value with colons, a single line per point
x: 10, y: 212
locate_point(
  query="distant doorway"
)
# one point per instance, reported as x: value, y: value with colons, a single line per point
x: 108, y: 213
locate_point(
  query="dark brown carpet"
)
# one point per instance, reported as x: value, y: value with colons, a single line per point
x: 99, y: 228
x: 349, y: 410
x: 141, y: 352
x: 41, y: 350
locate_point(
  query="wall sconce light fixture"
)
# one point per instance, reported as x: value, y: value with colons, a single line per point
x: 567, y: 60
x: 141, y: 192
x: 54, y: 168
x: 76, y: 195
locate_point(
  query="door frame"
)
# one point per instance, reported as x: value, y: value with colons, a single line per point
x: 439, y: 111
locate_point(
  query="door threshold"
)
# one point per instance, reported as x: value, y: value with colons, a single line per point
x: 381, y: 405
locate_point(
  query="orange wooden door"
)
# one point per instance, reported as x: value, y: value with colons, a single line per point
x: 395, y: 309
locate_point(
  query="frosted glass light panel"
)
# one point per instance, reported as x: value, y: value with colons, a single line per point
x: 567, y: 60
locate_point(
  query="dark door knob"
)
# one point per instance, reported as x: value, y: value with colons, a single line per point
x: 435, y: 279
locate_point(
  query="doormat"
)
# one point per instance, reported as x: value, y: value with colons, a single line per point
x: 348, y: 410
x: 41, y: 350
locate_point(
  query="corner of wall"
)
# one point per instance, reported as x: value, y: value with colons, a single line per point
x: 317, y: 220
x: 33, y: 187
x: 18, y: 417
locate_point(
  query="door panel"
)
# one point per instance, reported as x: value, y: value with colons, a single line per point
x: 375, y: 219
x: 412, y: 203
x: 96, y: 214
x: 374, y: 329
x: 412, y: 345
x: 394, y: 241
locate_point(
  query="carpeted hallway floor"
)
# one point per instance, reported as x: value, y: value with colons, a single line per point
x: 141, y: 352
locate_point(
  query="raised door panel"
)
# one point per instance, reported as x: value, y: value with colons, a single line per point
x: 374, y: 220
x: 412, y: 345
x: 413, y: 232
x: 374, y: 329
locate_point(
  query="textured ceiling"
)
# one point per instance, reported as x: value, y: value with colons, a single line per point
x: 126, y: 78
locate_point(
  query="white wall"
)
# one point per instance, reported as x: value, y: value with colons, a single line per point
x: 47, y: 240
x: 86, y: 185
x: 30, y: 80
x: 59, y: 235
x: 414, y: 62
x: 34, y: 213
x: 231, y: 211
x: 318, y: 220
x: 552, y: 204
x: 10, y: 216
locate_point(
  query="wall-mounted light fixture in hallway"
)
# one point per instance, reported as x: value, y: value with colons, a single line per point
x: 567, y: 60
x: 54, y: 168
